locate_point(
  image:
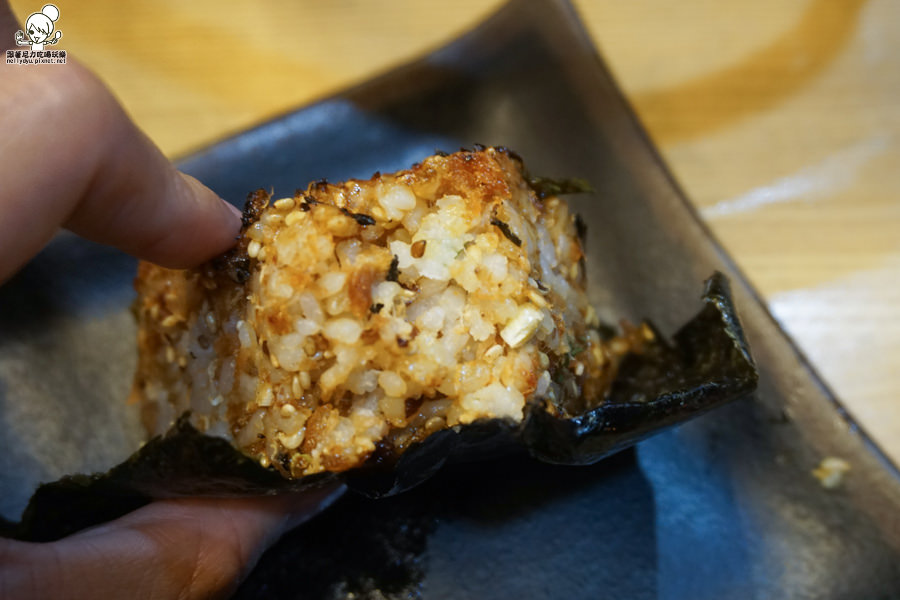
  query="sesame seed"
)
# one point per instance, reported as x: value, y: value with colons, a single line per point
x: 255, y: 232
x: 434, y: 423
x: 545, y: 360
x: 272, y: 219
x: 392, y: 384
x: 536, y: 297
x: 253, y: 249
x: 493, y: 352
x: 417, y: 250
x: 284, y: 204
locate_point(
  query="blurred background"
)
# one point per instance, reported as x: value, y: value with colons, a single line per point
x: 780, y: 119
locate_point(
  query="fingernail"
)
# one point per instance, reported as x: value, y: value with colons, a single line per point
x: 234, y: 210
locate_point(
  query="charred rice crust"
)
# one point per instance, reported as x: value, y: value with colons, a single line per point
x: 374, y: 313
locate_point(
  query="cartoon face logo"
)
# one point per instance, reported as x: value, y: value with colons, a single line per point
x: 38, y: 29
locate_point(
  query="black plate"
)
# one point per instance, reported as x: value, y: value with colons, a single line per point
x: 723, y: 507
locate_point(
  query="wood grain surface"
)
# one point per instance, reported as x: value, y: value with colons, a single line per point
x: 780, y: 118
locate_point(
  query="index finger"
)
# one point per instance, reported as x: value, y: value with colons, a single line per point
x: 73, y: 158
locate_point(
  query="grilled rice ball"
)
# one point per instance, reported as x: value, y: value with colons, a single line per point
x: 374, y: 313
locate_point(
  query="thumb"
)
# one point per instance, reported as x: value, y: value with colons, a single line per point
x: 186, y: 548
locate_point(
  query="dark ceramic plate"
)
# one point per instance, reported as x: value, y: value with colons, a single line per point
x: 723, y: 507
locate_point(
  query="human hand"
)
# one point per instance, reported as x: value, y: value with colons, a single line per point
x: 187, y: 548
x: 70, y: 157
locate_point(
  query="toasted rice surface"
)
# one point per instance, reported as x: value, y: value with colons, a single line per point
x: 372, y: 313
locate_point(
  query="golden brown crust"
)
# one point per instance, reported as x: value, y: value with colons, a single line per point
x: 371, y: 313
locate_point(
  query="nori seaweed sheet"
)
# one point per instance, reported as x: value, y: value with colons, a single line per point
x: 707, y: 364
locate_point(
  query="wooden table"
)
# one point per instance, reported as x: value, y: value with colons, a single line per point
x: 781, y: 118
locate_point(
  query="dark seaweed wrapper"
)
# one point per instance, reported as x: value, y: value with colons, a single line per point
x: 707, y: 364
